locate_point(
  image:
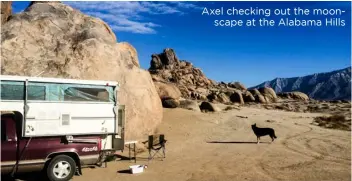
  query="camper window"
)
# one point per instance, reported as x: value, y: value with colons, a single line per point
x: 72, y: 92
x: 12, y: 90
x: 40, y: 91
x: 86, y: 94
x: 36, y: 92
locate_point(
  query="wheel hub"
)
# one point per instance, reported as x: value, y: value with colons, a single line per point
x: 62, y: 169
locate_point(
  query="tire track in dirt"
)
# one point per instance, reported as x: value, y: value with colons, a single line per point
x: 325, y: 154
x: 244, y: 126
x: 308, y: 146
x: 307, y: 143
x: 286, y: 145
x: 265, y: 168
x: 322, y: 155
x: 265, y: 171
x: 212, y: 175
x: 315, y: 158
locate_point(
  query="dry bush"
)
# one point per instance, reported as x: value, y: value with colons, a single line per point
x: 333, y: 122
x: 228, y: 108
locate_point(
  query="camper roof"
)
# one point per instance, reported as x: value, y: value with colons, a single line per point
x: 58, y: 80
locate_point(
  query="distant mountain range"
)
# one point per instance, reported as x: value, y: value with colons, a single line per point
x: 335, y: 85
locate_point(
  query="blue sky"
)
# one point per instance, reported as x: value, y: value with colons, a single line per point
x: 250, y: 55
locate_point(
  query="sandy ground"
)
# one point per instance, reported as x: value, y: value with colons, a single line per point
x: 221, y: 146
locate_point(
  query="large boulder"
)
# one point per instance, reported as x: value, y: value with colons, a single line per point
x: 248, y: 97
x: 170, y: 103
x: 202, y: 91
x: 58, y: 41
x: 167, y: 90
x: 237, y: 97
x: 257, y: 96
x: 223, y: 98
x: 6, y: 11
x: 155, y: 63
x: 237, y: 85
x: 269, y: 94
x: 167, y: 59
x: 170, y: 57
x: 294, y: 95
x: 169, y: 94
x: 209, y: 107
x: 217, y: 96
x: 143, y: 105
x: 131, y: 50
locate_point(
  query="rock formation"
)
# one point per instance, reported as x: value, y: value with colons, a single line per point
x: 169, y: 94
x: 175, y: 79
x: 191, y: 81
x: 167, y: 67
x: 167, y: 90
x: 257, y: 96
x: 6, y: 11
x: 294, y: 95
x: 268, y: 94
x: 56, y: 40
x: 248, y: 97
x: 237, y: 85
x: 209, y: 107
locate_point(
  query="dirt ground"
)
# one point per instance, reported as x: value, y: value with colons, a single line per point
x: 221, y: 146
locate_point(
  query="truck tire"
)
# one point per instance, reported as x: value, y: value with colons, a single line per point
x: 61, y: 168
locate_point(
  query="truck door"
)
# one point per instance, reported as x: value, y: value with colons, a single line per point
x: 119, y: 139
x: 8, y: 143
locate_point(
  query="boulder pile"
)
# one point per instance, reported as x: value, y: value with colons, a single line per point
x: 175, y: 79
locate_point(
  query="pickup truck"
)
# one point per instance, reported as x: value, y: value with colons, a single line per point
x: 58, y: 157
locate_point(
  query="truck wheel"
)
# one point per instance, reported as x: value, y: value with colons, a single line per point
x: 61, y: 168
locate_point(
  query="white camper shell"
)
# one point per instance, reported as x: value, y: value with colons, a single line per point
x: 67, y: 107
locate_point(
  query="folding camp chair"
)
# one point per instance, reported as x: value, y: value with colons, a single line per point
x: 156, y: 145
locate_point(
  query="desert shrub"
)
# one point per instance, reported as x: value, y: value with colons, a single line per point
x: 228, y: 108
x: 334, y: 122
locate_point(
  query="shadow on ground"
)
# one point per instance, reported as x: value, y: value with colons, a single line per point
x: 236, y: 142
x: 34, y: 176
x: 124, y: 171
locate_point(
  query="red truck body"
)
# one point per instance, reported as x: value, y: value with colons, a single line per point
x: 20, y: 154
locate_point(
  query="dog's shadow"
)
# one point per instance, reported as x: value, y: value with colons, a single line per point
x: 236, y: 142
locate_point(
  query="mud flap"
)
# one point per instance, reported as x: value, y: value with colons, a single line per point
x: 79, y: 170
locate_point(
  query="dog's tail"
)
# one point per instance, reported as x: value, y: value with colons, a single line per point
x: 275, y: 136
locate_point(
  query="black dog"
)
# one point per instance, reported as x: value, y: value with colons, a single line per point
x: 263, y: 132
